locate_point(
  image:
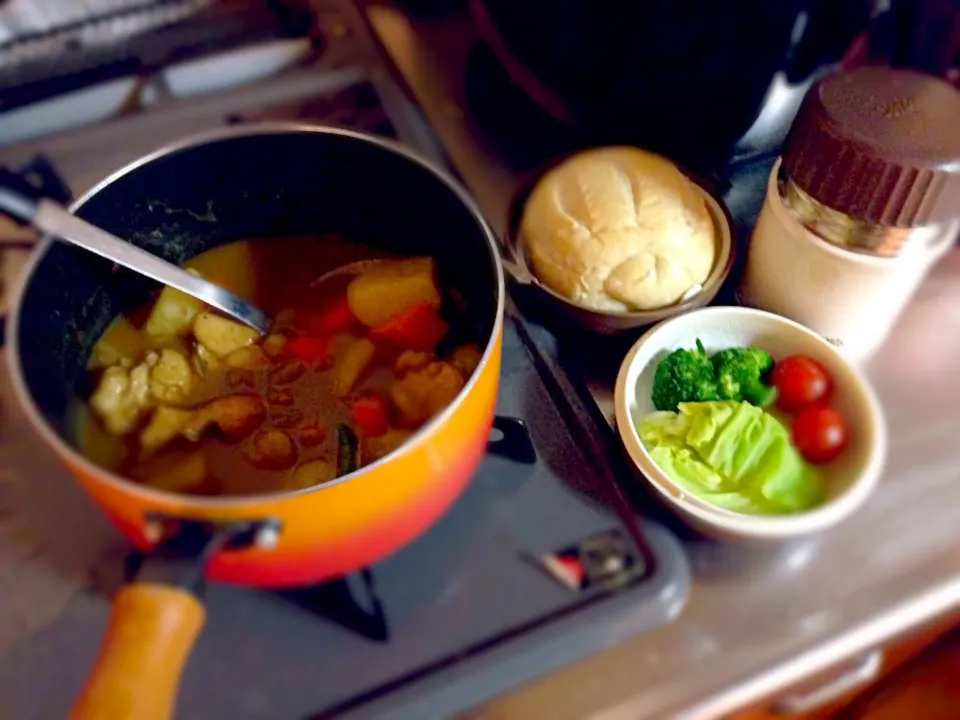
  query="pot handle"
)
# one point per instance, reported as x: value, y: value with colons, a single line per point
x: 152, y: 630
x: 515, y: 268
x: 156, y: 619
x: 20, y: 189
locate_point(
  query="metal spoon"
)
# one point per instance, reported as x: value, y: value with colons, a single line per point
x: 354, y: 268
x: 52, y: 218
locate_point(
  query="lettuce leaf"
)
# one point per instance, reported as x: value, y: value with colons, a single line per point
x: 733, y: 455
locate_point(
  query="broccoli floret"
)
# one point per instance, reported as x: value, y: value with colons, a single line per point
x: 740, y: 375
x: 684, y: 376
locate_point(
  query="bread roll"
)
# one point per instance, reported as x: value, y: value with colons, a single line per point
x: 618, y: 229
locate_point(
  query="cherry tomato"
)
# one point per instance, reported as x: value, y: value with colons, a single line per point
x: 335, y: 317
x: 800, y: 382
x: 820, y: 434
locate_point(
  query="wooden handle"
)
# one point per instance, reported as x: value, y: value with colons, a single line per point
x: 152, y: 630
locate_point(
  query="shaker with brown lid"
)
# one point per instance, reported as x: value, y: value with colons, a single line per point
x: 864, y: 199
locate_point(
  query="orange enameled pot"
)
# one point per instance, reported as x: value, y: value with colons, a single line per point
x: 253, y: 181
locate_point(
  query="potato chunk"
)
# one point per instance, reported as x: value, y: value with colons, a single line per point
x: 286, y: 374
x: 121, y: 343
x: 311, y: 435
x: 350, y: 365
x: 165, y: 424
x: 204, y: 361
x: 272, y: 449
x: 410, y: 360
x: 279, y: 396
x: 385, y: 290
x: 236, y: 415
x: 222, y: 336
x: 171, y: 378
x: 423, y: 393
x: 378, y: 447
x: 186, y: 475
x: 274, y: 345
x: 121, y: 397
x: 250, y: 357
x: 287, y: 419
x: 310, y: 473
x: 172, y: 314
x: 465, y: 358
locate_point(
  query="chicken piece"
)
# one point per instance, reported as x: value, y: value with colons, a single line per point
x: 122, y: 396
x: 311, y: 435
x: 172, y: 314
x: 465, y: 358
x: 378, y: 447
x: 121, y: 343
x: 251, y: 357
x: 184, y: 476
x: 271, y: 450
x: 286, y: 374
x: 310, y: 473
x: 222, y: 336
x: 171, y: 378
x: 350, y: 365
x: 165, y: 424
x: 236, y: 416
x: 410, y: 360
x: 204, y: 361
x: 422, y: 393
x: 273, y: 345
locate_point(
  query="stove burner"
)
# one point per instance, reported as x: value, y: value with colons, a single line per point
x: 608, y: 559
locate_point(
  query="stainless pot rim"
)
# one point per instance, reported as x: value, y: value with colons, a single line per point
x: 64, y: 449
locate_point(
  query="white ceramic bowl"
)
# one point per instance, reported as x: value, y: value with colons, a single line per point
x: 849, y: 479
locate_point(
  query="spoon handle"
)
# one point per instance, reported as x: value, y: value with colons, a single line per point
x: 55, y: 220
x: 25, y: 202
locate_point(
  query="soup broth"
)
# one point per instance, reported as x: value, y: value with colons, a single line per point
x: 189, y: 401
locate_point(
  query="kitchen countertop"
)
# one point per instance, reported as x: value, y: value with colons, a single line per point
x: 759, y: 619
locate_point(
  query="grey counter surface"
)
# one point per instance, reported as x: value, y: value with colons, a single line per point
x: 759, y: 620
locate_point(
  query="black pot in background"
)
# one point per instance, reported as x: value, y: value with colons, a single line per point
x: 685, y: 79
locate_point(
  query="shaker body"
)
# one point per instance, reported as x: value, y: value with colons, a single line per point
x: 851, y: 299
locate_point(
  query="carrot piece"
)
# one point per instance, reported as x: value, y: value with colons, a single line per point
x: 417, y: 328
x: 309, y: 348
x: 333, y: 319
x: 371, y: 415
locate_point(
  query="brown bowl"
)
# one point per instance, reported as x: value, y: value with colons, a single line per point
x: 558, y: 307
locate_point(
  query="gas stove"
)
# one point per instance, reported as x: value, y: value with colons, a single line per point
x: 541, y: 562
